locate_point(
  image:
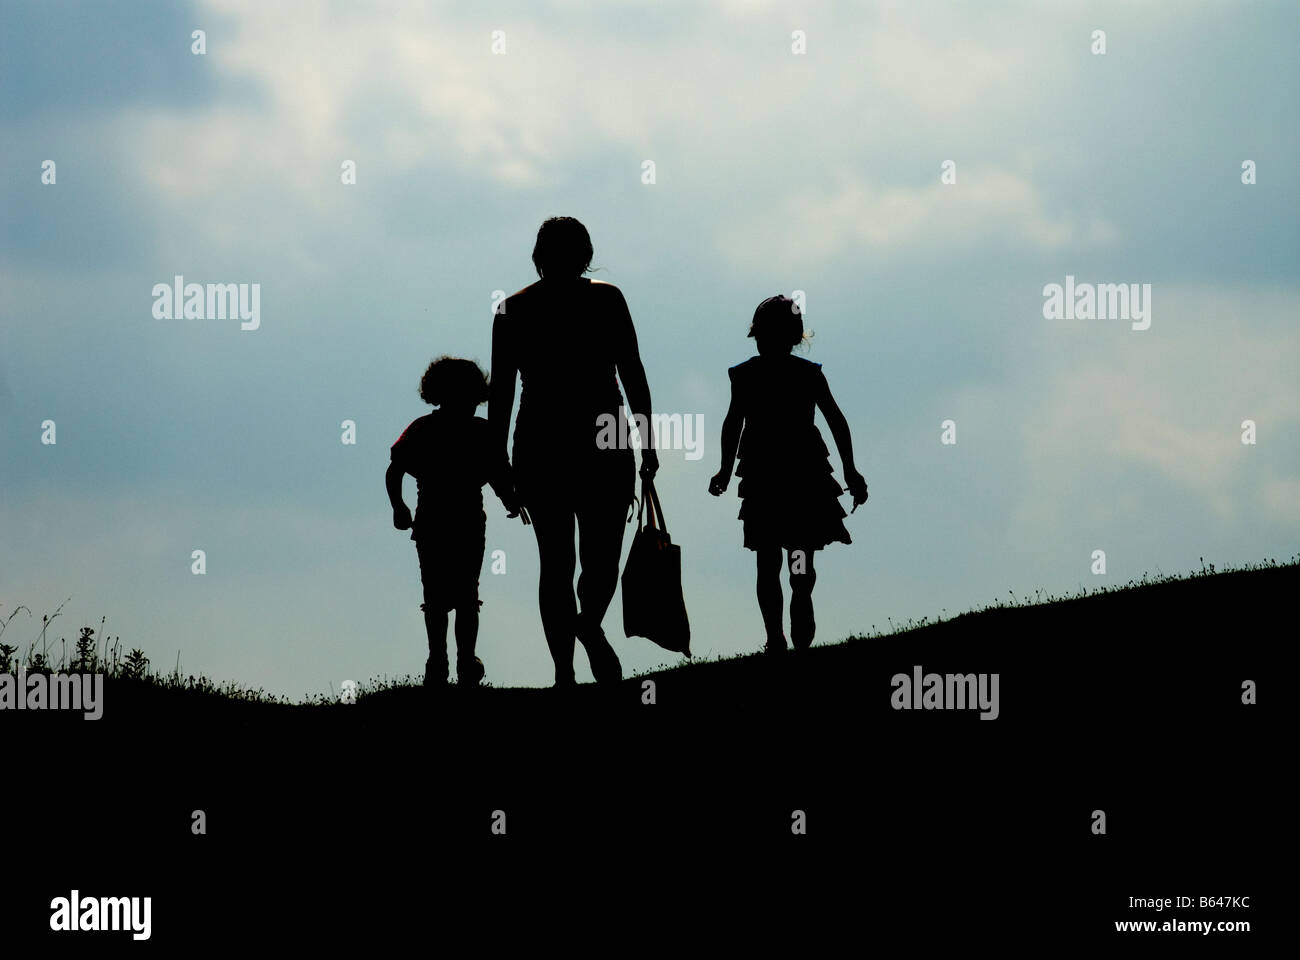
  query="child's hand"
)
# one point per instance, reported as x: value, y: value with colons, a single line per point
x: 857, y: 488
x: 718, y: 485
x: 514, y: 508
x: 402, y: 517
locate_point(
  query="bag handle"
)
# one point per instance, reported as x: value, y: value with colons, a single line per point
x: 651, y: 506
x: 641, y: 503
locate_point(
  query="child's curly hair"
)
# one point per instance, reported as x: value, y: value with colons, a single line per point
x: 454, y: 379
x: 779, y: 317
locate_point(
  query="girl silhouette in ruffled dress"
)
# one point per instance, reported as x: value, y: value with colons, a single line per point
x: 789, y: 495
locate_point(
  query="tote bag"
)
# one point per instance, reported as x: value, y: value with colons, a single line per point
x: 653, y: 606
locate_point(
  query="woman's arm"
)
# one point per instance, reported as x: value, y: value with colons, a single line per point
x: 632, y: 375
x: 501, y: 393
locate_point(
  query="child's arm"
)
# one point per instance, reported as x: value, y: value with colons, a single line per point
x: 843, y: 442
x: 501, y: 479
x: 732, y: 424
x: 393, y: 482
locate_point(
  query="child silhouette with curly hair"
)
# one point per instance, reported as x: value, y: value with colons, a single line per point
x: 790, y: 499
x: 451, y: 456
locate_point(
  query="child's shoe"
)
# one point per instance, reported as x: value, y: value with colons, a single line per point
x: 469, y: 672
x: 435, y: 674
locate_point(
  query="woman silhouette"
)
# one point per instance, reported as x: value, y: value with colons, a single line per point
x: 570, y: 340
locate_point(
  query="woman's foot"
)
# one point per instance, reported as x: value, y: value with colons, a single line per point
x: 605, y: 666
x: 775, y: 646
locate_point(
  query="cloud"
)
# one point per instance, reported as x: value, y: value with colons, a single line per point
x: 1168, y: 402
x: 983, y: 208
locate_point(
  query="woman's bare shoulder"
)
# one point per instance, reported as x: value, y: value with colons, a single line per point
x: 522, y: 293
x: 603, y: 288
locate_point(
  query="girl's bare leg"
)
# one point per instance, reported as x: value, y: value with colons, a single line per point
x: 802, y: 579
x: 770, y: 602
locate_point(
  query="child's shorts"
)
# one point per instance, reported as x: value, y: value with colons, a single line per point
x: 449, y: 568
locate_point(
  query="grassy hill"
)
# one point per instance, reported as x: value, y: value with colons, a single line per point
x: 1158, y: 631
x: 1127, y: 699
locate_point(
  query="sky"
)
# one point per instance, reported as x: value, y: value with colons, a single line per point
x: 775, y: 171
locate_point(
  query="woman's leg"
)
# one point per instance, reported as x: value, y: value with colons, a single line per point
x: 553, y: 526
x: 601, y: 518
x: 770, y: 602
x: 802, y: 580
x: 600, y: 546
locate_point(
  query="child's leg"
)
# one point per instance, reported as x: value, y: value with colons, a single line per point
x: 770, y: 602
x: 435, y: 625
x: 802, y: 579
x: 435, y: 617
x: 469, y: 669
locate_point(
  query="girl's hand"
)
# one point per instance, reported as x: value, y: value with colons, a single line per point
x: 718, y: 485
x: 857, y: 488
x: 402, y: 517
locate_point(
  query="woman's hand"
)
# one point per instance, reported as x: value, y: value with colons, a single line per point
x: 718, y: 485
x: 649, y: 463
x: 402, y: 517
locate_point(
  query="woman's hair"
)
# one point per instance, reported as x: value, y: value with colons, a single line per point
x: 454, y: 379
x: 563, y: 248
x: 779, y: 319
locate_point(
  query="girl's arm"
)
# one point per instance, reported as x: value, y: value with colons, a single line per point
x: 839, y: 427
x: 732, y: 424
